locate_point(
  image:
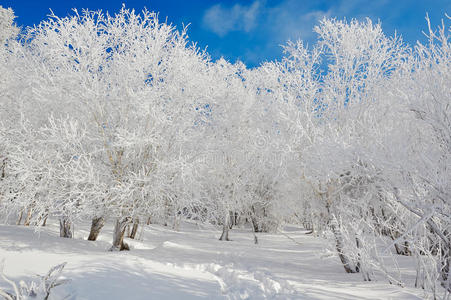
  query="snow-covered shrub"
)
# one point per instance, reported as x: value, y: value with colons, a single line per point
x: 40, y: 289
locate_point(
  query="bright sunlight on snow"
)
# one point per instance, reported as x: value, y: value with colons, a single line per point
x: 190, y: 264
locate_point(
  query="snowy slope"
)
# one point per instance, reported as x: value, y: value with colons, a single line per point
x: 189, y: 264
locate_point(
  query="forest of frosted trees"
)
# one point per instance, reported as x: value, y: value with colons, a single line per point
x: 120, y: 118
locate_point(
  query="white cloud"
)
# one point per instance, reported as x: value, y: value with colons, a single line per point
x: 289, y: 19
x: 222, y: 20
x: 286, y: 19
x: 269, y: 24
x: 292, y: 24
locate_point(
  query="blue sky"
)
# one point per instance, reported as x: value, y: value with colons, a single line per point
x: 252, y: 31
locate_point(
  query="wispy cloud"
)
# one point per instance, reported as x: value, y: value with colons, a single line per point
x: 288, y: 19
x: 290, y: 23
x: 222, y: 20
x: 265, y: 25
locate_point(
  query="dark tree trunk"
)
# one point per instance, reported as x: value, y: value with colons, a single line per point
x: 28, y: 218
x: 254, y: 220
x: 44, y: 222
x: 233, y: 219
x: 134, y: 229
x: 96, y: 226
x: 445, y: 270
x: 357, y: 265
x: 66, y: 228
x: 20, y: 218
x: 403, y: 249
x: 255, y: 225
x: 347, y: 264
x: 4, y: 168
x: 118, y: 235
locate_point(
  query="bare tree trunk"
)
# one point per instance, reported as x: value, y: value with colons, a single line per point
x: 335, y: 227
x: 254, y: 220
x: 118, y: 235
x: 233, y: 219
x: 225, y: 229
x: 28, y: 218
x: 66, y: 228
x: 134, y: 229
x: 339, y: 243
x: 347, y: 264
x: 4, y: 168
x: 403, y: 249
x: 20, y: 217
x: 357, y: 265
x: 44, y: 223
x: 96, y: 226
x: 255, y: 225
x: 42, y: 219
x: 445, y: 268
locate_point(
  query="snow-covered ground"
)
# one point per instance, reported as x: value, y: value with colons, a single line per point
x: 190, y: 264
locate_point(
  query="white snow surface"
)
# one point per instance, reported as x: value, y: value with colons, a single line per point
x: 190, y: 264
